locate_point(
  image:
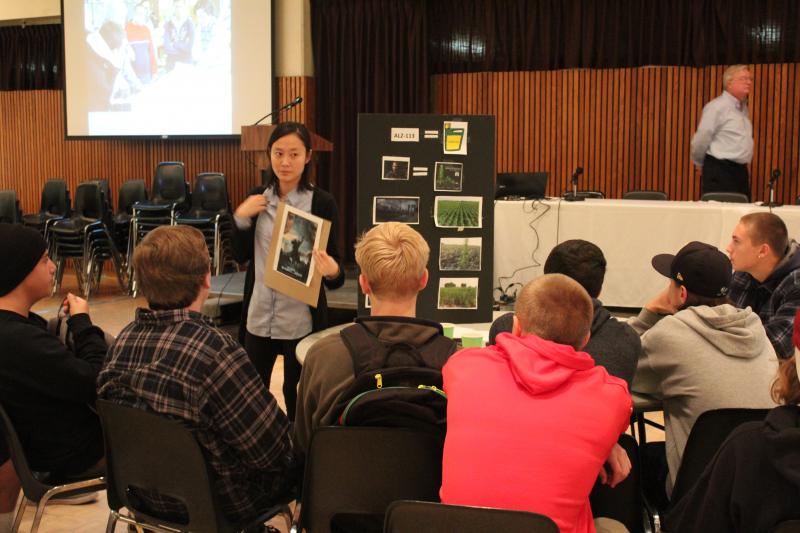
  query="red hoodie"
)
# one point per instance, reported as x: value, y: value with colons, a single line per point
x: 529, y: 425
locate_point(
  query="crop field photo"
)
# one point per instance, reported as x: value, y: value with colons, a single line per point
x: 458, y: 211
x: 458, y: 293
x: 461, y: 253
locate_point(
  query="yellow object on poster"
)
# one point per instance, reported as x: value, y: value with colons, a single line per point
x: 455, y: 137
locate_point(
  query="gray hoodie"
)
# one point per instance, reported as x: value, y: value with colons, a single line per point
x: 699, y: 359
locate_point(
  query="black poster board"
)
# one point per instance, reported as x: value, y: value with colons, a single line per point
x: 397, y: 180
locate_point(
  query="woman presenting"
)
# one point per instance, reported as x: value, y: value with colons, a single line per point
x: 273, y: 323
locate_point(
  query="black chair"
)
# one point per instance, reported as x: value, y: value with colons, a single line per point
x: 39, y: 488
x: 625, y: 502
x: 584, y: 194
x: 130, y: 192
x: 151, y: 452
x: 353, y: 473
x: 55, y: 204
x: 170, y: 196
x: 211, y: 213
x: 645, y: 195
x: 730, y: 197
x: 797, y: 201
x: 789, y: 526
x: 9, y: 207
x: 414, y: 516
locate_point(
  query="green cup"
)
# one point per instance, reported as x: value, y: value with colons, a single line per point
x: 449, y: 330
x: 472, y: 342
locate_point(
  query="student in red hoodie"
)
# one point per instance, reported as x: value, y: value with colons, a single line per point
x: 531, y: 420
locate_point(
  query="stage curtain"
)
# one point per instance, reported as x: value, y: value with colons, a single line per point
x: 31, y: 58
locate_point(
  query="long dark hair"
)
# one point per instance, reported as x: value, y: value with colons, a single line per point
x: 281, y: 130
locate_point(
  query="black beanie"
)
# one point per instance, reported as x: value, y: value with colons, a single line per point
x: 20, y: 249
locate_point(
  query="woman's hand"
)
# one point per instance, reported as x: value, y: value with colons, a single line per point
x: 326, y: 265
x: 252, y: 206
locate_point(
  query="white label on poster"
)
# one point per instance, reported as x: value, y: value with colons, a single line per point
x: 405, y: 135
x: 455, y: 137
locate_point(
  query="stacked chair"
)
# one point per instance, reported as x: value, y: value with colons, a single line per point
x: 55, y: 205
x: 130, y: 193
x: 211, y: 213
x: 9, y: 207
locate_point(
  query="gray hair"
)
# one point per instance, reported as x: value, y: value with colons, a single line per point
x: 727, y: 76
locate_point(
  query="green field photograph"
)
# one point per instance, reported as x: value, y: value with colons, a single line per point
x: 458, y: 211
x: 460, y: 253
x: 458, y: 293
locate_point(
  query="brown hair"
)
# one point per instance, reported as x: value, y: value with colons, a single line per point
x: 171, y: 264
x: 767, y: 228
x: 786, y: 388
x: 393, y: 257
x: 555, y: 308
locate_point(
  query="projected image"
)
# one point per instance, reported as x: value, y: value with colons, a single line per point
x: 158, y: 65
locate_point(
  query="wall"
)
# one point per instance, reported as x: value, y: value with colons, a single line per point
x: 628, y: 128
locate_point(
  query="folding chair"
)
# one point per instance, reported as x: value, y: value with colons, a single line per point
x: 42, y: 489
x: 151, y: 452
x: 730, y: 197
x: 645, y: 195
x: 414, y: 516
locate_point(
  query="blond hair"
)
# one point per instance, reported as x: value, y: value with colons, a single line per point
x: 727, y: 76
x: 171, y: 264
x: 555, y: 308
x: 393, y: 258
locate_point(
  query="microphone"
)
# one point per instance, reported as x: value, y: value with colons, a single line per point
x: 286, y: 107
x: 578, y: 172
x: 574, y: 197
x: 776, y: 173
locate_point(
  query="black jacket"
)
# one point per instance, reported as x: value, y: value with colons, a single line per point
x: 322, y: 205
x: 47, y: 391
x: 752, y: 484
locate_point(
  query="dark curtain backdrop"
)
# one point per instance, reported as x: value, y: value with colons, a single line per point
x: 369, y: 57
x: 30, y: 57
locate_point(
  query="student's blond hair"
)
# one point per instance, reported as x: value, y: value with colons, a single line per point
x: 393, y: 258
x: 555, y: 308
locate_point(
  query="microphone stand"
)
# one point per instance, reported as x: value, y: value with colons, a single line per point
x: 279, y: 110
x: 574, y: 197
x: 772, y: 203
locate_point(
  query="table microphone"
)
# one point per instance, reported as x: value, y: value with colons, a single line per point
x: 280, y: 109
x: 575, y: 197
x: 776, y: 173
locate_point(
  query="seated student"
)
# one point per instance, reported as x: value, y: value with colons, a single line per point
x: 767, y: 275
x: 699, y: 352
x: 613, y: 344
x: 46, y: 388
x: 173, y: 361
x: 392, y: 258
x: 753, y: 482
x: 531, y: 420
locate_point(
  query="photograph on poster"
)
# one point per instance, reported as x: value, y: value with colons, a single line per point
x: 300, y: 233
x: 458, y: 211
x: 460, y: 253
x: 395, y: 168
x: 395, y: 209
x: 458, y: 293
x: 447, y: 176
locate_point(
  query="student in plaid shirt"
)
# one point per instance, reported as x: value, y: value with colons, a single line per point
x: 173, y: 361
x: 766, y: 276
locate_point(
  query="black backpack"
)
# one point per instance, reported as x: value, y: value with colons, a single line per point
x: 396, y: 384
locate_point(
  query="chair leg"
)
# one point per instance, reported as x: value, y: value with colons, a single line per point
x: 111, y: 525
x: 37, y: 518
x: 23, y: 503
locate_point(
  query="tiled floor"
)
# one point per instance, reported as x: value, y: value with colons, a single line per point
x: 112, y: 311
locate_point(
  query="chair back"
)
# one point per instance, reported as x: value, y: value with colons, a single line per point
x: 169, y: 183
x: 414, y: 516
x: 31, y: 487
x: 707, y: 435
x: 9, y: 207
x: 210, y: 194
x: 151, y: 452
x: 624, y: 502
x: 89, y: 202
x: 55, y: 198
x: 789, y: 526
x: 645, y: 195
x: 130, y: 192
x: 584, y: 194
x: 731, y: 197
x: 359, y: 471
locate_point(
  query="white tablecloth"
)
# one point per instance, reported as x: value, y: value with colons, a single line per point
x: 630, y: 233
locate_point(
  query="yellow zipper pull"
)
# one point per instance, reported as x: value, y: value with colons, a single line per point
x: 379, y: 379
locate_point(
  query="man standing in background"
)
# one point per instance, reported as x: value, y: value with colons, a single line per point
x: 722, y: 146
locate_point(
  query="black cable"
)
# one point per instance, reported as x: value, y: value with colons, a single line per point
x: 219, y: 295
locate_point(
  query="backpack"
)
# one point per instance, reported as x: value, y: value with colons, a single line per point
x: 396, y: 384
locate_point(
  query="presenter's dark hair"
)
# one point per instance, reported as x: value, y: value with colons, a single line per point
x: 281, y: 130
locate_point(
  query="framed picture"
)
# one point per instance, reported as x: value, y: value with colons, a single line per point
x: 458, y: 211
x: 395, y: 209
x: 395, y: 168
x: 460, y: 253
x: 447, y: 176
x: 290, y: 264
x: 458, y: 293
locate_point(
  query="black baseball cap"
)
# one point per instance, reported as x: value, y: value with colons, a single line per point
x: 699, y: 267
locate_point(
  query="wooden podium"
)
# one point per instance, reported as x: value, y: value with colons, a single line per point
x: 255, y: 139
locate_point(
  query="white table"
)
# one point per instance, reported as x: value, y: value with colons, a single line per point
x: 630, y: 233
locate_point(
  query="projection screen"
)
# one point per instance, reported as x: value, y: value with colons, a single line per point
x: 162, y: 68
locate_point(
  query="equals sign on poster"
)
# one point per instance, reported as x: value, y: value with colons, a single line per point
x: 419, y: 171
x: 431, y: 134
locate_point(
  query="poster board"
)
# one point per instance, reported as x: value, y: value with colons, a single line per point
x: 290, y: 267
x: 435, y: 173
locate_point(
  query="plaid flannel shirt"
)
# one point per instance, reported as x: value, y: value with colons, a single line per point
x: 775, y: 301
x: 178, y: 364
